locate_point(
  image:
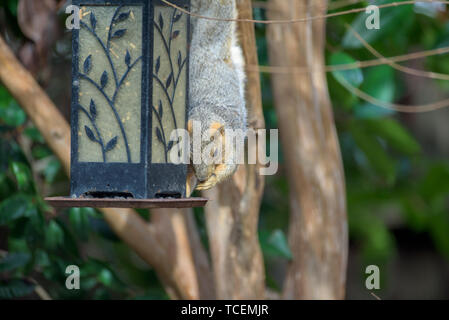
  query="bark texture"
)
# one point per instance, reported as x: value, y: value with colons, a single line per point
x: 318, y: 226
x: 232, y: 214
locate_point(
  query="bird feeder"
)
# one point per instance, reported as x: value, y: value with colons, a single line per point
x: 130, y: 84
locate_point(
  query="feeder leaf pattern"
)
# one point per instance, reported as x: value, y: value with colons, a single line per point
x: 107, y: 80
x: 168, y: 85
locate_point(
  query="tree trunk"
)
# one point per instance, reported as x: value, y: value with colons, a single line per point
x: 318, y: 226
x: 232, y: 214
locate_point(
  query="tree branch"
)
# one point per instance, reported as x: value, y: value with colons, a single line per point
x: 181, y: 249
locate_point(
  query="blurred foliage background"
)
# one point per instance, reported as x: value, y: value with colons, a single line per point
x: 396, y: 166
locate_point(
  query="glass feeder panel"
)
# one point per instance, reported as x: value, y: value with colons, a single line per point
x: 110, y: 77
x: 169, y: 80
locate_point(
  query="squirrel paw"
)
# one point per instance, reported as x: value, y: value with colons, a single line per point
x: 220, y: 172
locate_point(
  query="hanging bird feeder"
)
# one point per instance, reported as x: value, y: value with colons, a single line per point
x: 130, y: 84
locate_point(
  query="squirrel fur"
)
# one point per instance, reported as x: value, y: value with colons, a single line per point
x: 217, y: 80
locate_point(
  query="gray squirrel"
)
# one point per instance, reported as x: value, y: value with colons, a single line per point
x: 217, y: 82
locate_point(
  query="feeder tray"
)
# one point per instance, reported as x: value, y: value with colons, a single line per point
x: 64, y: 202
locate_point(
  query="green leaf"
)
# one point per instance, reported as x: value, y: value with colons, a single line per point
x: 18, y: 245
x: 375, y: 153
x: 391, y: 20
x: 371, y: 233
x: 10, y: 112
x: 394, y: 134
x: 439, y: 231
x: 12, y: 6
x: 275, y: 244
x: 436, y: 182
x: 34, y: 135
x: 106, y: 277
x: 379, y: 244
x: 279, y: 242
x: 22, y: 174
x: 353, y: 76
x: 5, y: 151
x: 41, y: 152
x: 379, y: 83
x: 6, y: 186
x: 14, y: 207
x: 54, y: 235
x: 51, y: 170
x: 15, y: 289
x: 13, y: 261
x: 79, y: 219
x: 415, y: 213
